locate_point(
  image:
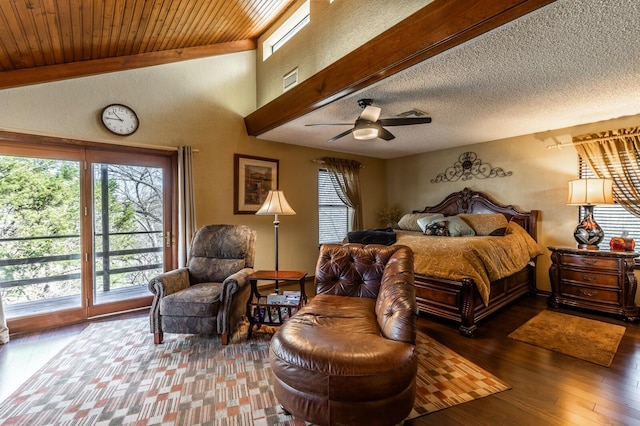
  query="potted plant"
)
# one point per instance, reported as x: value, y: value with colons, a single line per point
x: 390, y: 216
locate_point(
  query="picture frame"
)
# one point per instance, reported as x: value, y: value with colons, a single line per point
x: 253, y: 178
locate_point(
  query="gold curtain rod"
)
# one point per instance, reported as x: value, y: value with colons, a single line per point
x: 158, y: 147
x: 319, y: 161
x: 594, y: 140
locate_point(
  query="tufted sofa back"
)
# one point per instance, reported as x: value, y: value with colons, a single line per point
x: 384, y: 273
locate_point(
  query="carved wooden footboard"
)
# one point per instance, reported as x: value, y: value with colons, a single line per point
x: 460, y: 301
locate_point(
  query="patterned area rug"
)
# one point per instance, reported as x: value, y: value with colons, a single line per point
x: 582, y: 338
x: 113, y: 374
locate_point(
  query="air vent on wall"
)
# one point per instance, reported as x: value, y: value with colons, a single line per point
x: 290, y: 80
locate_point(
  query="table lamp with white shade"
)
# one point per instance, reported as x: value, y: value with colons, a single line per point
x: 588, y: 193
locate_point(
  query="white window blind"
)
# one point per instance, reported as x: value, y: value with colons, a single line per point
x: 612, y: 218
x: 333, y: 214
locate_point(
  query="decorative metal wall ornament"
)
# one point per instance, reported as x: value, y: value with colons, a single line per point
x: 467, y: 167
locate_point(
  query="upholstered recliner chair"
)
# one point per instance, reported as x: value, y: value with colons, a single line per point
x: 210, y: 294
x: 348, y: 357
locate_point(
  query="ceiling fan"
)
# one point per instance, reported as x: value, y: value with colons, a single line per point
x: 369, y: 125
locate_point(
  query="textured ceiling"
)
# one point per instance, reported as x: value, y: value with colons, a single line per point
x: 572, y: 62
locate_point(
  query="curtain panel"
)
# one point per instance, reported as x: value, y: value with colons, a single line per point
x: 614, y: 155
x: 345, y: 176
x: 186, y: 204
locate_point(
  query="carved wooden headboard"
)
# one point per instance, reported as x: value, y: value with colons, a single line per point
x: 468, y: 201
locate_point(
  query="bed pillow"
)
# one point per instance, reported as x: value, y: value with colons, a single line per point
x: 486, y: 223
x: 457, y: 227
x: 424, y: 221
x: 409, y: 222
x: 438, y: 228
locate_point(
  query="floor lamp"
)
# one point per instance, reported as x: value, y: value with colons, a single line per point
x: 276, y: 204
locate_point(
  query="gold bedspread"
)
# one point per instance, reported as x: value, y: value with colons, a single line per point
x: 484, y: 259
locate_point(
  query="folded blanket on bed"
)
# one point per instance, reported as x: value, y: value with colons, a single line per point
x: 484, y: 259
x: 384, y: 236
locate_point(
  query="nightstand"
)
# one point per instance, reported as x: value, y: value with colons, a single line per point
x: 601, y: 280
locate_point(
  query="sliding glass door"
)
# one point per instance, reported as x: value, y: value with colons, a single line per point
x: 82, y: 231
x: 128, y: 230
x: 40, y: 245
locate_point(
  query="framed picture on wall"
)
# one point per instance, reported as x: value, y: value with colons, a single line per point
x: 254, y: 177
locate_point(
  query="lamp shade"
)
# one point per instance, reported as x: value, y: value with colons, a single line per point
x: 275, y: 204
x: 365, y: 130
x: 586, y: 192
x: 365, y: 134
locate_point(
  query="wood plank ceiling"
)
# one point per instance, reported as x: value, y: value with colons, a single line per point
x: 46, y: 40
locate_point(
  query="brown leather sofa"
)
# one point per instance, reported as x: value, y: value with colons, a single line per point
x: 348, y: 357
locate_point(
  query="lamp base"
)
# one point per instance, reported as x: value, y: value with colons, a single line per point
x: 588, y: 233
x: 587, y: 247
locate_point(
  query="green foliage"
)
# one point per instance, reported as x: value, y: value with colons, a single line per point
x: 39, y: 198
x: 40, y: 220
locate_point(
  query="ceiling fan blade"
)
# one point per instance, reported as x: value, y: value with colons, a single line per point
x: 335, y: 138
x: 330, y: 124
x: 404, y: 121
x: 385, y: 134
x: 370, y: 113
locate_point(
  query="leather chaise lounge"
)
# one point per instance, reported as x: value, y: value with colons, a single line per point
x: 348, y: 357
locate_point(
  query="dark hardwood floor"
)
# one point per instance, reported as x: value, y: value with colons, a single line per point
x: 548, y: 388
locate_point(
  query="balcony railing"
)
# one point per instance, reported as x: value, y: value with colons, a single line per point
x: 105, y: 275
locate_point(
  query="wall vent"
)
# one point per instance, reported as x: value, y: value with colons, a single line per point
x: 290, y: 80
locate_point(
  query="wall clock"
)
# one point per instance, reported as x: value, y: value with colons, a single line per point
x: 120, y: 119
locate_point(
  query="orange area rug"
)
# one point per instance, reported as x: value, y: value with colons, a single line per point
x: 583, y: 338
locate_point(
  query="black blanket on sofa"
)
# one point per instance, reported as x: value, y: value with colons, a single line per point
x: 384, y: 236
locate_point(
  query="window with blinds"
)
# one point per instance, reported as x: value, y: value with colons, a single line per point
x: 333, y: 214
x: 612, y: 218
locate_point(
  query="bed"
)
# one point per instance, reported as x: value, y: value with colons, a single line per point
x: 460, y: 299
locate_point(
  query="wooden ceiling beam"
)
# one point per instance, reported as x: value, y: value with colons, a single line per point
x: 439, y: 26
x: 23, y: 77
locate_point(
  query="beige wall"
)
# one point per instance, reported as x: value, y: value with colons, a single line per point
x: 199, y: 103
x: 335, y: 29
x: 202, y: 102
x: 539, y: 181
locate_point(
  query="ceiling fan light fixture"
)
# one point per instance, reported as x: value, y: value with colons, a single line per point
x: 370, y: 126
x: 366, y: 133
x: 365, y: 130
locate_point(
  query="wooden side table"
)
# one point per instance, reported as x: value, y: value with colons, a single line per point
x: 259, y: 311
x: 601, y: 280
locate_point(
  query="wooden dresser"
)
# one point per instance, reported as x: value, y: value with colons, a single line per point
x: 601, y: 280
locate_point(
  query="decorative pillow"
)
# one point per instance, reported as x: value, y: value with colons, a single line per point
x: 437, y: 228
x: 426, y: 220
x: 409, y: 222
x: 486, y: 223
x: 457, y: 227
